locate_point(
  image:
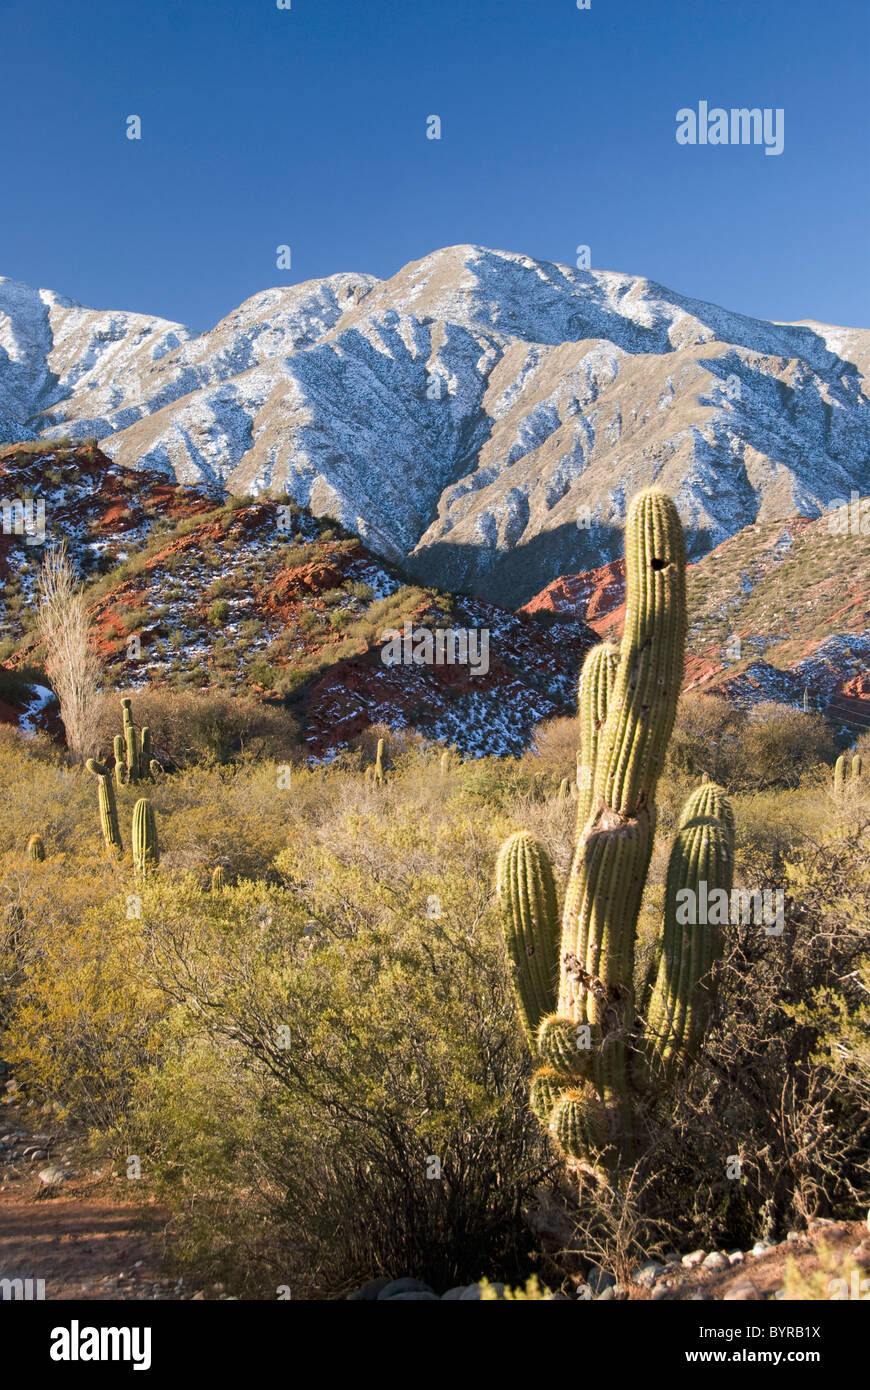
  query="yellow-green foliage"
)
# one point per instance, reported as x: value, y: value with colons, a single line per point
x: 531, y: 1292
x: 839, y: 1279
x: 362, y: 922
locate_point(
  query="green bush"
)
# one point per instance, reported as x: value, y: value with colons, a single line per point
x: 218, y: 612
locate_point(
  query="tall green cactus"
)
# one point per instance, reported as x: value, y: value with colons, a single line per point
x: 599, y: 1051
x: 120, y: 760
x: 107, y: 806
x: 146, y: 852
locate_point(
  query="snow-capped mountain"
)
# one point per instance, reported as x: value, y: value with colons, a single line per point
x: 481, y: 417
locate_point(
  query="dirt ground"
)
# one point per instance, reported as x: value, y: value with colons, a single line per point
x: 83, y: 1237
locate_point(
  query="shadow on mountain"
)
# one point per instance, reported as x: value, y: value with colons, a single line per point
x: 512, y: 577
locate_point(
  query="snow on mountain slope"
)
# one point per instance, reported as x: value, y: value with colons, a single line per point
x: 480, y: 416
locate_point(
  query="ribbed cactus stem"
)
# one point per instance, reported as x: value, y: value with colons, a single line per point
x: 145, y: 747
x: 646, y: 688
x: 218, y: 878
x: 593, y: 696
x: 696, y: 909
x: 132, y: 753
x: 857, y: 767
x: 120, y: 759
x: 530, y: 919
x: 36, y: 849
x: 108, y: 810
x: 146, y: 853
x: 564, y: 789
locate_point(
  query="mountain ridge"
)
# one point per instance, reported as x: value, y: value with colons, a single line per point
x: 480, y: 417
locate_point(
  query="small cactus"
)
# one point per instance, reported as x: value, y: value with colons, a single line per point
x: 36, y: 849
x: 564, y: 789
x: 146, y: 852
x: 218, y: 878
x: 379, y: 764
x: 847, y: 772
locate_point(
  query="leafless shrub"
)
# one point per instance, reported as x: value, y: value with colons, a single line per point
x: 72, y: 663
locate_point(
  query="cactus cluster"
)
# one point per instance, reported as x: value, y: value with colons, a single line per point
x: 132, y: 752
x: 600, y: 1048
x: 847, y: 772
x: 133, y: 760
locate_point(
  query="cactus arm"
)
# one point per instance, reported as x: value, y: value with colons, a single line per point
x: 530, y: 923
x: 108, y: 814
x: 593, y: 694
x: 681, y: 998
x: 120, y: 759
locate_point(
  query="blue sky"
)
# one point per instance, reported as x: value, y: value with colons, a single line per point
x: 263, y: 127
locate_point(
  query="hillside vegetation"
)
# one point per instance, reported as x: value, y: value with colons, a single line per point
x: 286, y: 1052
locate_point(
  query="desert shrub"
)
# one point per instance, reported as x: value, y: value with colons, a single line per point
x: 781, y: 744
x: 218, y: 612
x: 79, y: 1023
x: 340, y: 618
x: 554, y: 747
x: 770, y: 745
x: 706, y: 740
x: 213, y: 727
x: 403, y: 1049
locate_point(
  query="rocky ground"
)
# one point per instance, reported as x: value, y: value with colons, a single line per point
x: 73, y: 1226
